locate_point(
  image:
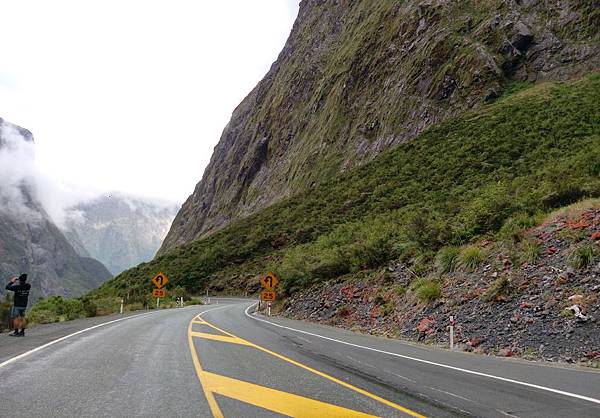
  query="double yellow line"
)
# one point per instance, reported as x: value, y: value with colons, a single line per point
x: 274, y: 400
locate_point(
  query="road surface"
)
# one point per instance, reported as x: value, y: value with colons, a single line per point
x: 223, y: 361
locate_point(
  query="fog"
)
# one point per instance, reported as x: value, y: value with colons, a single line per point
x: 21, y: 180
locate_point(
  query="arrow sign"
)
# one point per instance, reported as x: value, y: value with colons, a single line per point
x: 160, y: 280
x: 269, y: 282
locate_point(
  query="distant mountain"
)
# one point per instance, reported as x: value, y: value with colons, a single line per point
x: 119, y: 230
x: 29, y: 240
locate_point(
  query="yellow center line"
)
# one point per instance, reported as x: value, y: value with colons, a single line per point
x: 276, y: 400
x: 210, y: 398
x: 220, y: 338
x: 305, y: 367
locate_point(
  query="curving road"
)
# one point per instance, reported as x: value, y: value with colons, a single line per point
x: 222, y: 361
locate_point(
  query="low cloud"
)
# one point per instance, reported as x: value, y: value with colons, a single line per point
x: 23, y: 185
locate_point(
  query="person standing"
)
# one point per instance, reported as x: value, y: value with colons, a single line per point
x: 21, y: 288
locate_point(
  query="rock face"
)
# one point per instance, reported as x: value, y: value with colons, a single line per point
x: 356, y: 78
x: 121, y: 231
x: 30, y: 241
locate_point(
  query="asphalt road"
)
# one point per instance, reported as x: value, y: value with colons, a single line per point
x: 220, y: 360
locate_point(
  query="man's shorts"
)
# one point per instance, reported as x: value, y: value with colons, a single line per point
x: 17, y: 311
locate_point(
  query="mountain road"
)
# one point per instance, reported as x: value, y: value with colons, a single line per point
x: 224, y: 360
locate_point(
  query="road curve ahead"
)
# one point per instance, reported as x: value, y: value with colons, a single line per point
x: 222, y: 361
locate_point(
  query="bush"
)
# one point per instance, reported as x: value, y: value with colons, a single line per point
x: 56, y: 309
x: 581, y: 256
x: 471, y: 257
x: 447, y: 259
x: 400, y: 291
x: 516, y: 226
x: 427, y: 290
x: 193, y: 302
x: 532, y: 250
x: 500, y: 287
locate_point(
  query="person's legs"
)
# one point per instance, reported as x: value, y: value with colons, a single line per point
x: 14, y: 319
x: 18, y: 320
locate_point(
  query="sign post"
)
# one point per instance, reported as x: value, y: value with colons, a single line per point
x: 160, y: 281
x: 452, y: 322
x: 269, y: 283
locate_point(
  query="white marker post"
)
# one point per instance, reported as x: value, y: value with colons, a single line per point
x: 157, y: 302
x: 121, y: 311
x: 268, y: 308
x: 452, y: 332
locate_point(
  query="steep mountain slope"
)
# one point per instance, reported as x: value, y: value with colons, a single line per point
x: 121, y: 231
x: 356, y: 78
x: 486, y: 173
x: 30, y: 242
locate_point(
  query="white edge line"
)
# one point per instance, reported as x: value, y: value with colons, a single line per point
x: 491, y: 376
x: 41, y: 347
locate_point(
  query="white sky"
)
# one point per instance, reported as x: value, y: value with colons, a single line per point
x: 133, y: 95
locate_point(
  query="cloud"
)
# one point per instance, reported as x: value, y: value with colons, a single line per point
x: 23, y: 185
x: 16, y: 173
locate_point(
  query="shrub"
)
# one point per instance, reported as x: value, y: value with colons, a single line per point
x: 388, y: 309
x: 90, y: 308
x: 427, y: 290
x: 471, y: 257
x: 532, y: 250
x: 56, y: 309
x: 500, y: 287
x: 516, y: 225
x: 400, y: 291
x: 447, y: 259
x: 581, y: 256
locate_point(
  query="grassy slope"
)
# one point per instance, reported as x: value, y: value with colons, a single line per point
x: 526, y: 154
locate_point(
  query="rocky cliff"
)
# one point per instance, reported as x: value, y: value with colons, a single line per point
x: 356, y: 78
x: 29, y: 240
x: 121, y: 231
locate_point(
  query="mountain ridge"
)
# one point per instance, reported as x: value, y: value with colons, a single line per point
x: 355, y: 80
x: 31, y: 241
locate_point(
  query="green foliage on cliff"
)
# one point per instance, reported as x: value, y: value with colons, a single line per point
x: 530, y: 152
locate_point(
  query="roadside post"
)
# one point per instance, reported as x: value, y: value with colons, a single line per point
x: 269, y: 283
x: 452, y: 322
x: 160, y: 281
x: 121, y: 310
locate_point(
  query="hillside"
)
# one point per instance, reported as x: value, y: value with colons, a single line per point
x: 31, y: 242
x: 119, y: 230
x: 484, y: 174
x: 357, y: 78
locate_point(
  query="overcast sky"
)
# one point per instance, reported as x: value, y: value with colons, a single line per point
x: 133, y: 95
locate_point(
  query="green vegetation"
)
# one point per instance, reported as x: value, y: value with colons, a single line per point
x: 427, y: 290
x: 582, y: 256
x: 56, y: 309
x: 532, y: 250
x: 497, y: 169
x: 446, y: 259
x: 471, y: 257
x: 500, y: 287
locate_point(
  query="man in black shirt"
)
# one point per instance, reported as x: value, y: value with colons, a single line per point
x: 21, y: 288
